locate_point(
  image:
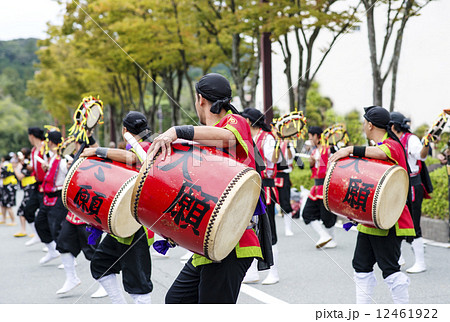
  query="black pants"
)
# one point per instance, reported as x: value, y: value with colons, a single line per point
x: 284, y: 193
x: 133, y: 260
x: 417, y: 211
x: 215, y: 283
x: 48, y: 221
x: 74, y: 239
x: 27, y: 192
x: 384, y: 250
x: 315, y: 210
x: 34, y: 203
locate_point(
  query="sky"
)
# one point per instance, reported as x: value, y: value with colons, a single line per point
x: 345, y: 77
x: 26, y: 18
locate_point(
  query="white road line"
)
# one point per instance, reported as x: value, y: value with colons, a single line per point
x: 435, y: 243
x: 260, y: 295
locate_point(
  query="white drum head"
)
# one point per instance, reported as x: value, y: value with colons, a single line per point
x: 120, y: 220
x: 390, y: 197
x: 69, y: 149
x: 232, y: 214
x: 93, y: 116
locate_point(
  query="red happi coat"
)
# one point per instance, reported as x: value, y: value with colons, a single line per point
x: 260, y: 140
x: 248, y: 245
x: 404, y: 226
x: 320, y: 172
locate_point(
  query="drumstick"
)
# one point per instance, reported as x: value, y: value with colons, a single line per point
x: 136, y: 146
x: 39, y: 159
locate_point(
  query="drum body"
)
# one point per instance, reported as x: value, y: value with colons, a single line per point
x: 99, y: 192
x: 199, y: 197
x: 368, y: 191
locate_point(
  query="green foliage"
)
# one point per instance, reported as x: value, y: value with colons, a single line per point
x: 302, y: 177
x: 354, y: 127
x: 13, y: 127
x: 437, y: 207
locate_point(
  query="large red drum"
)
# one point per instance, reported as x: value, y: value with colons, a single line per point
x: 99, y: 192
x: 199, y: 197
x: 368, y: 191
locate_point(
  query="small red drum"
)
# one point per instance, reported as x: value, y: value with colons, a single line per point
x: 99, y: 192
x: 368, y: 191
x: 199, y: 197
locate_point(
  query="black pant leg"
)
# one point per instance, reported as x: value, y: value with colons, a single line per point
x: 67, y: 241
x: 311, y: 211
x: 284, y: 193
x: 34, y: 203
x: 41, y: 225
x: 220, y: 283
x: 328, y: 218
x: 136, y: 265
x: 184, y: 289
x: 270, y: 210
x: 417, y: 210
x: 105, y: 259
x: 56, y: 215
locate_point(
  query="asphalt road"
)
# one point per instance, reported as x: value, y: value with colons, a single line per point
x: 307, y: 275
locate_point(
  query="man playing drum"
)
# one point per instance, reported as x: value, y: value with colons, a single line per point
x: 315, y: 212
x: 377, y: 245
x: 35, y: 201
x: 417, y: 154
x: 52, y: 212
x: 130, y: 255
x: 201, y: 280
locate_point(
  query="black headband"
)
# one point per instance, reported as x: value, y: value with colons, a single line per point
x: 216, y: 89
x: 378, y: 116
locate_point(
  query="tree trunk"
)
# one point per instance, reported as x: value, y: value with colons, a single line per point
x: 112, y: 124
x: 287, y: 55
x: 302, y: 91
x: 377, y: 89
x: 397, y: 50
x: 236, y: 69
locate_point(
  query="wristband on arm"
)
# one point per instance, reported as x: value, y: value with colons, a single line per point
x: 102, y: 152
x: 359, y: 151
x: 185, y: 132
x: 91, y: 140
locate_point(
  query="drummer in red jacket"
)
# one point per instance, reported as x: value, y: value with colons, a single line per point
x: 130, y: 255
x: 377, y: 245
x: 201, y: 280
x: 315, y: 212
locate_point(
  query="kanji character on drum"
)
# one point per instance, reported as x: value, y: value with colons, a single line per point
x: 130, y: 255
x: 375, y: 245
x: 36, y: 137
x: 417, y: 154
x: 201, y: 280
x: 265, y: 142
x: 52, y: 212
x: 314, y: 212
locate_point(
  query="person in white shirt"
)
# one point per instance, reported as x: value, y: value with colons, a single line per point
x: 265, y: 142
x: 417, y: 154
x: 50, y: 216
x: 283, y: 183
